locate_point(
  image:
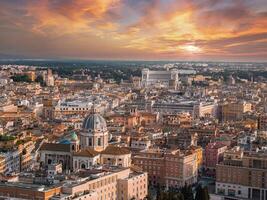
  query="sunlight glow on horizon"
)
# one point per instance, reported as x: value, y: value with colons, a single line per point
x: 191, y: 48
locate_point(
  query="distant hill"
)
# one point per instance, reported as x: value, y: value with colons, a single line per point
x: 11, y: 56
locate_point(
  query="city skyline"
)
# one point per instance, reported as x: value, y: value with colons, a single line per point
x: 134, y: 30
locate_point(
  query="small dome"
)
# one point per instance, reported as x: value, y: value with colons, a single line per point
x: 94, y: 122
x: 74, y: 136
x: 64, y: 141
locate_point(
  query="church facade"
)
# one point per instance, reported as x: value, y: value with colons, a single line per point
x: 87, y: 149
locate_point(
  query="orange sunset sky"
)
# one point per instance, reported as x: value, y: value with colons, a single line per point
x: 234, y: 30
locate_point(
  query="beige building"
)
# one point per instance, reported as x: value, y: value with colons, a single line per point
x: 31, y: 75
x: 48, y: 109
x: 116, y: 156
x: 140, y: 142
x: 13, y: 190
x: 262, y: 122
x: 177, y: 120
x: 242, y: 175
x: 117, y: 184
x: 49, y: 78
x: 235, y: 111
x: 135, y: 118
x: 85, y: 159
x: 9, y: 108
x: 170, y: 168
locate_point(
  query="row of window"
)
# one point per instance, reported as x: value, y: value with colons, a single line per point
x: 67, y: 109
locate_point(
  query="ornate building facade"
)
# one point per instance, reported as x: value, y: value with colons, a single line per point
x: 94, y: 133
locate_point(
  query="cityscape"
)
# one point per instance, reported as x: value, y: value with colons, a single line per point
x: 133, y: 100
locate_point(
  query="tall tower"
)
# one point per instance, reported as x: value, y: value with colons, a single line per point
x: 50, y: 78
x: 145, y: 77
x: 94, y: 132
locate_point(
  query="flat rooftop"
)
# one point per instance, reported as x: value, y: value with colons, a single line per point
x: 35, y: 187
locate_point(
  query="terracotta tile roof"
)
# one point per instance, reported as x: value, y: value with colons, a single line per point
x: 55, y: 147
x: 86, y: 153
x: 113, y: 150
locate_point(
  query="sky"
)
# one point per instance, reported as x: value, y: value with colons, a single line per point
x: 226, y: 30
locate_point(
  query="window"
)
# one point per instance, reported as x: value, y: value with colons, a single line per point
x: 83, y: 166
x: 221, y: 191
x: 231, y: 192
x: 99, y: 141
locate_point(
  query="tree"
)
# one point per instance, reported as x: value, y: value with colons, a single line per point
x: 171, y: 194
x: 39, y: 79
x: 178, y: 196
x: 206, y: 195
x: 175, y: 195
x: 198, y: 193
x: 148, y: 197
x: 21, y: 78
x: 158, y: 195
x: 202, y: 193
x: 187, y: 192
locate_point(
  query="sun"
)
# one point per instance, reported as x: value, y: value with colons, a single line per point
x: 191, y: 48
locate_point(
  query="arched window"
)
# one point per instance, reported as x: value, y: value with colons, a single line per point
x: 83, y: 166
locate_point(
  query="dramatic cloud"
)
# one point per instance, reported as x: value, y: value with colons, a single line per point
x: 130, y: 29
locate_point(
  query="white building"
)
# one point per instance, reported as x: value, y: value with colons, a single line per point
x: 140, y: 143
x: 166, y: 78
x: 196, y: 109
x: 12, y: 161
x: 85, y: 159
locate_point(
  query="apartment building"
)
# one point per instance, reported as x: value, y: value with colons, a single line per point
x: 177, y: 120
x: 170, y: 168
x: 262, y: 122
x: 112, y: 184
x: 214, y: 154
x: 242, y: 175
x: 235, y: 111
x: 196, y: 109
x: 20, y: 190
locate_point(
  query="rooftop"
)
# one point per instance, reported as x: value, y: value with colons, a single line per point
x: 55, y: 147
x: 86, y: 153
x: 35, y: 187
x: 114, y: 150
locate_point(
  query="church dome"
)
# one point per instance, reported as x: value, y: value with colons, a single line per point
x: 64, y: 141
x: 74, y: 136
x: 94, y: 122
